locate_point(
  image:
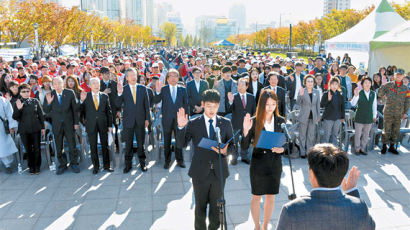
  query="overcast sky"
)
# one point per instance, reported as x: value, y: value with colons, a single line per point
x: 261, y: 11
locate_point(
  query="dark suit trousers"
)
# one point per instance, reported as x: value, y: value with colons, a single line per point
x: 244, y: 152
x: 167, y: 145
x: 31, y: 143
x: 69, y: 134
x: 129, y: 140
x: 93, y: 138
x: 207, y: 191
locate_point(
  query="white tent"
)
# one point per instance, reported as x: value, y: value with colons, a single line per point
x: 356, y: 40
x: 391, y: 48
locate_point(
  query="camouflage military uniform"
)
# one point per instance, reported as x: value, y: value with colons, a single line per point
x: 397, y: 104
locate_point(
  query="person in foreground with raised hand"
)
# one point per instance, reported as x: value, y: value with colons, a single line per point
x: 205, y: 167
x: 327, y: 206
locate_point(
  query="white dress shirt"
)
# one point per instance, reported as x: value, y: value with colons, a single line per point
x: 298, y: 85
x: 98, y: 97
x: 198, y: 85
x: 270, y: 126
x: 255, y: 88
x: 207, y: 123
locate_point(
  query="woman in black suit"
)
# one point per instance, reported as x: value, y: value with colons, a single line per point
x: 29, y: 114
x: 254, y: 86
x: 266, y: 165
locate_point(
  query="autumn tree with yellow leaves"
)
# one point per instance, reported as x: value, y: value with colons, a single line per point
x: 59, y: 25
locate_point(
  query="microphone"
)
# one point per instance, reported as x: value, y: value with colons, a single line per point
x: 283, y: 126
x: 218, y: 134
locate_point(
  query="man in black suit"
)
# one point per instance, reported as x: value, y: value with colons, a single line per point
x: 294, y: 82
x: 195, y: 88
x: 61, y: 107
x: 281, y: 79
x: 173, y: 98
x: 96, y: 108
x: 205, y: 166
x: 280, y: 92
x: 109, y: 87
x: 133, y: 98
x: 240, y: 104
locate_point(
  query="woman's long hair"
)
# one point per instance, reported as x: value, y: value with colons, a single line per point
x: 261, y: 112
x: 77, y: 89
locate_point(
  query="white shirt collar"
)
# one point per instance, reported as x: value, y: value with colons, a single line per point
x: 95, y: 94
x: 209, y: 118
x: 325, y: 189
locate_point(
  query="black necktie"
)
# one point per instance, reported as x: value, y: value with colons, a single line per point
x: 211, y: 130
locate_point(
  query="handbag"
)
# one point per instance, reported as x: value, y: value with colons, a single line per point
x: 5, y: 122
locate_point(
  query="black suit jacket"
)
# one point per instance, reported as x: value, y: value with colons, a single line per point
x: 169, y: 108
x: 334, y: 109
x: 101, y: 118
x: 239, y: 112
x: 291, y: 85
x: 113, y: 95
x: 258, y: 93
x: 195, y: 97
x: 65, y: 114
x: 136, y: 113
x: 281, y: 93
x: 30, y: 118
x: 281, y: 81
x: 195, y: 130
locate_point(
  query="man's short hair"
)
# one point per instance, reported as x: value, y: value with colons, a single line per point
x: 273, y: 73
x: 329, y: 164
x: 244, y: 80
x: 211, y: 95
x: 196, y: 68
x: 104, y: 70
x: 24, y: 86
x: 344, y: 66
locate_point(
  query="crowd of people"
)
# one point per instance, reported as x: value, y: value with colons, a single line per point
x: 194, y: 91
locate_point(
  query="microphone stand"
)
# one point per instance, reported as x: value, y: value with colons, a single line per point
x: 293, y: 195
x: 221, y: 201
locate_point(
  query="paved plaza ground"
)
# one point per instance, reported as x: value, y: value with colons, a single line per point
x: 163, y: 199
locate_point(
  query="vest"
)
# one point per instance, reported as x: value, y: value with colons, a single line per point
x: 364, y: 111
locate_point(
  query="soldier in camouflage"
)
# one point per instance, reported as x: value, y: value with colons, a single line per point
x: 397, y: 103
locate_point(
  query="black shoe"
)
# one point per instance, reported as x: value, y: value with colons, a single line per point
x: 181, y: 164
x: 357, y: 152
x: 61, y: 170
x: 303, y: 156
x: 32, y: 171
x: 246, y: 161
x: 127, y: 169
x: 363, y: 152
x: 37, y: 170
x: 95, y: 171
x: 108, y: 170
x: 166, y: 165
x: 75, y: 168
x: 8, y: 170
x: 234, y: 161
x: 384, y: 149
x: 143, y: 167
x: 393, y: 150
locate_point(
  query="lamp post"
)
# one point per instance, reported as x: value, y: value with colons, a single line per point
x: 35, y: 25
x: 269, y: 41
x: 92, y: 40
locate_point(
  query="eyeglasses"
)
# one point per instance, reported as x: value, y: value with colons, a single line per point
x: 25, y: 91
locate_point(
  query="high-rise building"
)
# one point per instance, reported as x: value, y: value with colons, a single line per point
x: 237, y: 12
x: 330, y: 5
x: 135, y: 11
x: 160, y: 15
x: 224, y: 28
x: 207, y: 21
x: 149, y: 13
x: 174, y: 17
x: 102, y: 8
